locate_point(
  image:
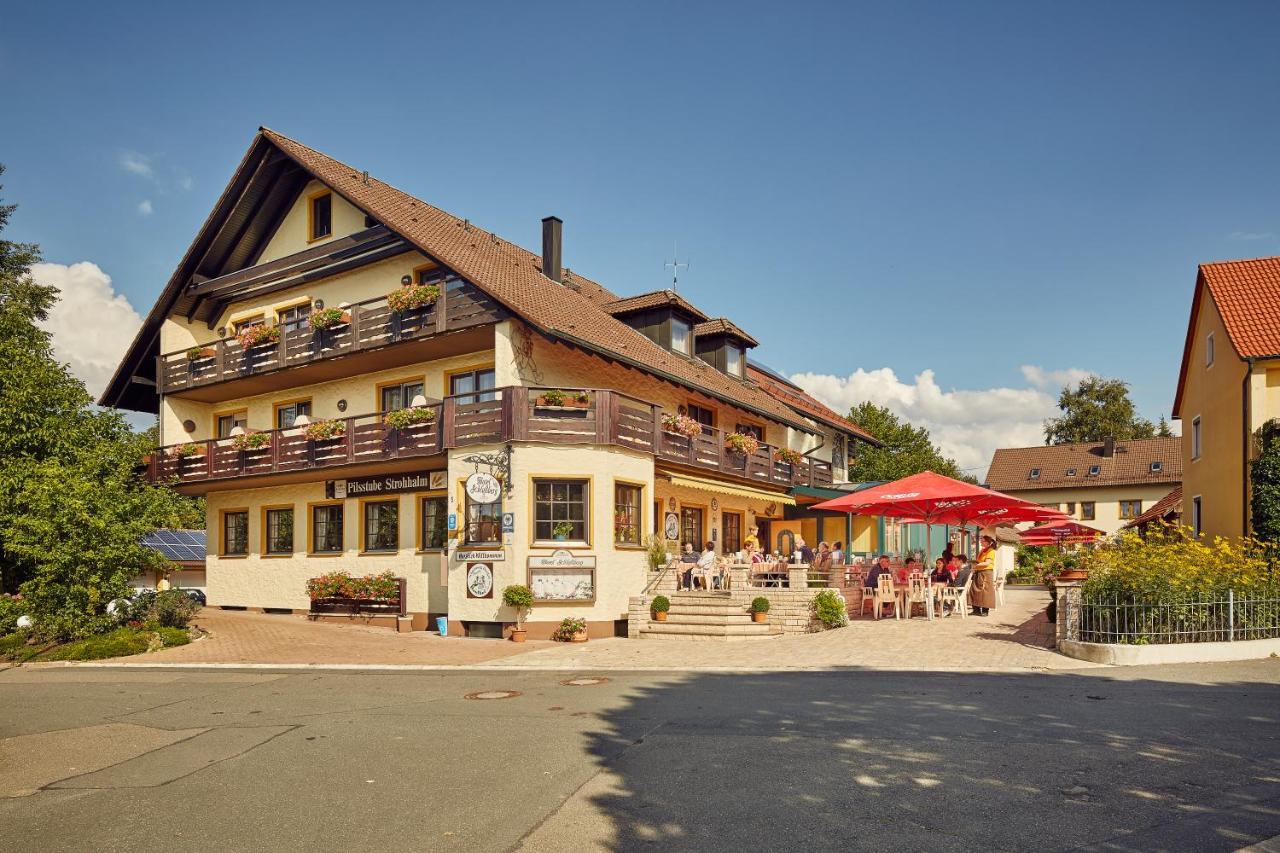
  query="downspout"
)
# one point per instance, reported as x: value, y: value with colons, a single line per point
x: 1246, y: 415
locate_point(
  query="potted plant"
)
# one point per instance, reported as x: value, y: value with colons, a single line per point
x: 328, y: 318
x: 324, y: 429
x: 562, y: 531
x: 414, y: 296
x: 661, y: 604
x: 560, y: 399
x: 251, y: 441
x: 572, y: 630
x: 759, y: 609
x: 258, y: 336
x: 198, y: 352
x: 681, y: 425
x: 188, y: 450
x: 412, y: 416
x: 742, y: 443
x: 789, y: 456
x: 520, y: 598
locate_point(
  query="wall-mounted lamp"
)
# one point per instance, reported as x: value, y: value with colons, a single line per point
x: 319, y: 304
x: 406, y: 280
x: 342, y: 405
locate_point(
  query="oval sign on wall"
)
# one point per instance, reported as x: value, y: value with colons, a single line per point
x: 483, y: 488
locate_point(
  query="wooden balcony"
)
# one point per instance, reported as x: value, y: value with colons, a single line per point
x: 372, y: 327
x: 608, y: 418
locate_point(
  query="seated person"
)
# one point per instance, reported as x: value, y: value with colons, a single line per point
x: 822, y: 560
x: 881, y: 568
x: 837, y: 554
x: 707, y: 566
x: 684, y: 575
x: 806, y: 553
x: 900, y: 576
x: 941, y: 574
x: 962, y: 576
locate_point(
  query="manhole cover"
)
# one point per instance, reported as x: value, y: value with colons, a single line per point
x: 493, y: 694
x: 583, y: 682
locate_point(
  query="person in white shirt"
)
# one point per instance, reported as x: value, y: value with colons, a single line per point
x: 707, y: 565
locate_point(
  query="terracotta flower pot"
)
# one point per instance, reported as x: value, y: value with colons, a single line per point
x: 580, y: 637
x: 759, y: 617
x: 660, y: 616
x: 1073, y: 575
x: 518, y: 635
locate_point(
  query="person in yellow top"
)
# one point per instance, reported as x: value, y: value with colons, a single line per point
x: 982, y: 595
x: 752, y: 543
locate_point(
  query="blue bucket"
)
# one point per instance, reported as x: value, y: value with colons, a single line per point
x: 442, y: 625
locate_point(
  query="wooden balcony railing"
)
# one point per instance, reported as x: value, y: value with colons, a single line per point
x: 509, y: 414
x: 372, y: 325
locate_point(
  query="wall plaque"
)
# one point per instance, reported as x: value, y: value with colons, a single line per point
x: 479, y: 580
x: 487, y: 556
x: 562, y: 559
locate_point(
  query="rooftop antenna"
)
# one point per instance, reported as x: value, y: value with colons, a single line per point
x: 675, y: 264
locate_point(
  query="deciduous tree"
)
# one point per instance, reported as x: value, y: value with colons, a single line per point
x: 907, y: 449
x: 1094, y: 410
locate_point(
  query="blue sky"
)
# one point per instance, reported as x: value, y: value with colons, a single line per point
x: 965, y: 189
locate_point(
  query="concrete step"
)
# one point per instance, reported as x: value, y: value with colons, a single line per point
x: 708, y: 609
x: 750, y: 629
x: 709, y: 619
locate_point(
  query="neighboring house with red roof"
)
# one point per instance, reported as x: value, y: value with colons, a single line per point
x: 1104, y: 484
x: 334, y: 362
x: 1167, y: 510
x: 1228, y: 388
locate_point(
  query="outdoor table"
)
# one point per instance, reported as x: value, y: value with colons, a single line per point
x: 903, y: 592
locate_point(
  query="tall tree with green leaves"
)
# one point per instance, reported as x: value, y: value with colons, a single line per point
x: 907, y: 449
x: 1094, y: 410
x: 73, y: 506
x: 1264, y: 488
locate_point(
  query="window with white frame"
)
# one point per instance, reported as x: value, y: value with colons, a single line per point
x: 1208, y: 350
x: 1195, y: 437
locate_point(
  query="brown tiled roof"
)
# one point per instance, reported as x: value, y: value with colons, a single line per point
x: 1011, y: 466
x: 511, y: 275
x: 801, y: 401
x: 1170, y: 503
x: 652, y: 299
x: 1247, y: 294
x: 723, y: 326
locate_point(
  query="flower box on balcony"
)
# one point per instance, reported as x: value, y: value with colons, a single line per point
x: 790, y: 457
x: 198, y: 353
x: 746, y: 445
x: 413, y: 296
x: 187, y: 451
x: 682, y: 425
x: 258, y: 336
x: 323, y: 430
x: 251, y: 441
x: 329, y: 318
x: 563, y: 400
x: 410, y: 417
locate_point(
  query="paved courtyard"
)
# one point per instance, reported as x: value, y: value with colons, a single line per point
x: 1014, y: 637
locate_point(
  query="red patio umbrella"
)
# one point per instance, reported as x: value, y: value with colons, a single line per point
x: 929, y: 498
x: 1060, y: 533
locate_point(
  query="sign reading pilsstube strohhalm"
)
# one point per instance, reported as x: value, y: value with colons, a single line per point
x: 388, y: 485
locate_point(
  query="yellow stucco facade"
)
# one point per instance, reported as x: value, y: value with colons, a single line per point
x: 1224, y: 401
x: 1106, y: 502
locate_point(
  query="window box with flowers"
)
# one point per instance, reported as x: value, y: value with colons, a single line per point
x: 329, y: 318
x: 259, y: 335
x: 190, y: 450
x: 324, y: 429
x: 789, y: 456
x: 339, y: 592
x: 413, y: 296
x: 557, y: 399
x: 746, y: 445
x: 410, y: 417
x: 201, y: 352
x: 251, y: 441
x: 681, y: 425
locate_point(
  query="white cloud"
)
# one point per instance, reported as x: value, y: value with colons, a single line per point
x: 145, y: 207
x: 91, y: 324
x: 185, y: 183
x: 967, y: 424
x: 137, y: 164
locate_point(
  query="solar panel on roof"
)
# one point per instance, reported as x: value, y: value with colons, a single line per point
x: 177, y: 545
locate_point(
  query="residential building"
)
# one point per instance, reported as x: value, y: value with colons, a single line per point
x: 1103, y: 484
x: 357, y: 380
x: 1228, y: 389
x: 1166, y: 512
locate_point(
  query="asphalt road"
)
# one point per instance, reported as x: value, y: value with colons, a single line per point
x: 1170, y: 758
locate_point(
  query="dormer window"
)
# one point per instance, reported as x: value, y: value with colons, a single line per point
x: 1071, y: 472
x: 319, y: 216
x: 1157, y: 467
x: 1035, y: 474
x: 1095, y: 470
x: 681, y: 335
x: 734, y: 362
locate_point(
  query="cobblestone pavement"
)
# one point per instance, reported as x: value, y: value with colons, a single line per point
x: 1014, y: 637
x: 242, y: 637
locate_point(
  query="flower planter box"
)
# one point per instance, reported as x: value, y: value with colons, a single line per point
x: 568, y: 404
x: 354, y: 606
x: 199, y: 353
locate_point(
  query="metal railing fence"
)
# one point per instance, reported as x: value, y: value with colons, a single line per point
x: 1222, y: 618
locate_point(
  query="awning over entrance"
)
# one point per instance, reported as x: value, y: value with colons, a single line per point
x: 721, y: 488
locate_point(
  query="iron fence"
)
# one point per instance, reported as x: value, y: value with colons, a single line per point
x: 1136, y: 622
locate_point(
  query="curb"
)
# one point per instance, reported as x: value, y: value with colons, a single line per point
x: 562, y: 667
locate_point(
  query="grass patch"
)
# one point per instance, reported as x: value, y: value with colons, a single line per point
x: 14, y: 648
x: 118, y: 643
x: 173, y: 637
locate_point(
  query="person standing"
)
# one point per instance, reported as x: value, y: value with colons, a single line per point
x: 982, y: 595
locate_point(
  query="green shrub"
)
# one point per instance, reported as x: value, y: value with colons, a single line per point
x: 656, y: 552
x: 759, y: 604
x: 173, y: 636
x: 11, y: 607
x: 173, y: 609
x: 121, y: 642
x: 1172, y: 566
x: 519, y: 597
x: 570, y: 626
x: 661, y: 604
x: 14, y: 647
x: 829, y: 607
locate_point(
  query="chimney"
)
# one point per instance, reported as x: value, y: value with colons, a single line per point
x: 1108, y: 447
x: 551, y: 248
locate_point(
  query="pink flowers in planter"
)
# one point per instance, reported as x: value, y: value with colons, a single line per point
x: 251, y: 440
x: 321, y: 429
x: 259, y: 335
x: 789, y: 456
x: 681, y: 425
x: 742, y: 443
x: 413, y: 296
x: 379, y: 587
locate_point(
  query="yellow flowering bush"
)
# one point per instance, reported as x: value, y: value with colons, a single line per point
x: 1171, y: 565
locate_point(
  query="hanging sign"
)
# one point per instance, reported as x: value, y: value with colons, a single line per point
x: 483, y: 488
x: 479, y: 580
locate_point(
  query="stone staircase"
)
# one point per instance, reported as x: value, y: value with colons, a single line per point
x: 708, y: 616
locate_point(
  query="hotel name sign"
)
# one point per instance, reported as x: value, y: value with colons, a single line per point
x: 420, y: 481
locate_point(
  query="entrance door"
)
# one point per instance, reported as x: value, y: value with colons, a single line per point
x: 691, y: 531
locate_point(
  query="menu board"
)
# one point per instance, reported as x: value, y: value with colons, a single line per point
x: 563, y: 584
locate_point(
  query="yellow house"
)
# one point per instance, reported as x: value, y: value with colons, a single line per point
x: 1102, y: 484
x: 1228, y: 388
x: 358, y: 381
